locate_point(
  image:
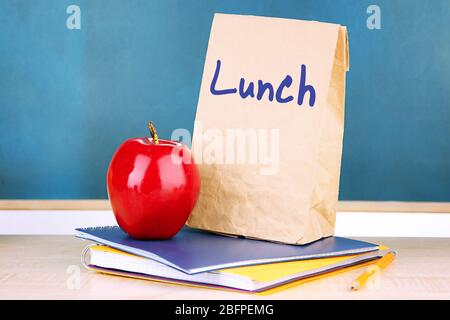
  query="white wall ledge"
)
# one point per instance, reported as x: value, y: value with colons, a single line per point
x: 348, y: 224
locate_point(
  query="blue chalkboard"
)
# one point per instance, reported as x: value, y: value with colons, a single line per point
x: 69, y: 97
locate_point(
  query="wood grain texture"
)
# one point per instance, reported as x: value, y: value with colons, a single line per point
x: 394, y: 206
x: 343, y: 206
x: 97, y: 204
x: 47, y: 267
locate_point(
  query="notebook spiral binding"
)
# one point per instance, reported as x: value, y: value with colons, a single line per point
x: 85, y: 251
x: 99, y: 228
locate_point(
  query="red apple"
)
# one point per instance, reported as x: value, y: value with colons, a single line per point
x: 153, y: 186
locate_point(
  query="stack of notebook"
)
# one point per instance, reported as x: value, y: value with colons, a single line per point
x: 200, y: 258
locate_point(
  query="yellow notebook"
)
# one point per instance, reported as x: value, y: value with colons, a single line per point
x: 263, y: 279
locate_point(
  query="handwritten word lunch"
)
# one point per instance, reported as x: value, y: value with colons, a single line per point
x: 268, y: 87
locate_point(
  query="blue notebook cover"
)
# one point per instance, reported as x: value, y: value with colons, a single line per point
x: 194, y: 251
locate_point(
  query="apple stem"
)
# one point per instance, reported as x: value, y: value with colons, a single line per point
x: 153, y: 133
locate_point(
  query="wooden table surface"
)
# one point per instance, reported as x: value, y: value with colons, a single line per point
x: 48, y: 267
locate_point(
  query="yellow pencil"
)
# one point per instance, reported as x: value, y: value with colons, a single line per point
x: 381, y: 264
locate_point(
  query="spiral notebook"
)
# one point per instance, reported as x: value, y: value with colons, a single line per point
x: 193, y: 251
x: 257, y: 278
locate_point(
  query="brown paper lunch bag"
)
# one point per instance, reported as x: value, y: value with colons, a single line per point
x: 269, y: 128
